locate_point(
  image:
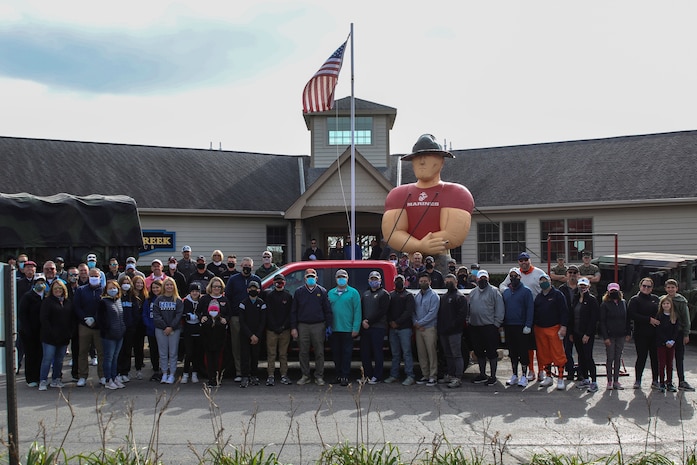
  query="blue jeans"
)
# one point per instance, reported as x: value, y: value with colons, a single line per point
x: 111, y: 350
x: 371, y: 351
x: 400, y: 345
x: 53, y: 357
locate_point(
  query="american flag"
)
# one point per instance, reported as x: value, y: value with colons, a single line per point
x: 318, y: 94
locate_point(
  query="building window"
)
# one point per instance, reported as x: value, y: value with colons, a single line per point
x: 276, y: 239
x: 456, y: 254
x: 340, y: 130
x: 500, y: 243
x: 578, y: 237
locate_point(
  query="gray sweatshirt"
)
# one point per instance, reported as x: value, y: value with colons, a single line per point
x: 485, y: 307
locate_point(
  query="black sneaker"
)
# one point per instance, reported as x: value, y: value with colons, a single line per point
x: 244, y: 382
x: 481, y: 378
x: 270, y: 381
x: 685, y: 386
x: 423, y: 380
x: 254, y: 380
x: 491, y: 380
x: 344, y: 381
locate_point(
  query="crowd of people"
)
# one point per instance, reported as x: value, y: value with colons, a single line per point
x: 222, y: 317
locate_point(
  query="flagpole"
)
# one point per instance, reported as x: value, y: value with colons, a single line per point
x: 353, y: 161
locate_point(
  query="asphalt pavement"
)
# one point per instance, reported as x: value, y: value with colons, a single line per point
x: 497, y: 423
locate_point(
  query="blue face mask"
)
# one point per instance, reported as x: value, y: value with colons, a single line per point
x: 311, y: 282
x: 91, y: 264
x: 112, y: 291
x: 21, y: 265
x: 375, y: 284
x: 545, y: 285
x: 341, y: 281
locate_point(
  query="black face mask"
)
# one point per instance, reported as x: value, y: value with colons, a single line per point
x: 201, y: 266
x: 231, y: 265
x: 515, y: 281
x: 452, y: 269
x: 253, y: 292
x: 483, y: 283
x: 429, y: 266
x: 450, y: 287
x: 461, y: 278
x: 399, y: 284
x: 614, y: 295
x: 247, y: 270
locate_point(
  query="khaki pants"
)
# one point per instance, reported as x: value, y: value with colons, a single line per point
x: 87, y: 337
x: 426, y: 346
x: 277, y: 341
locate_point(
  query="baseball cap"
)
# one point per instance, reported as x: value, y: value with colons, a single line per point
x: 572, y: 267
x: 613, y: 287
x: 587, y: 253
x: 310, y: 272
x: 30, y: 263
x: 279, y: 277
x: 131, y: 260
x: 399, y: 276
x: 172, y: 260
x: 429, y: 259
x: 544, y: 275
x: 341, y: 273
x: 474, y: 266
x: 186, y: 248
x: 157, y: 260
x: 483, y: 273
x: 194, y: 287
x: 201, y: 257
x: 375, y: 274
x: 91, y: 257
x: 512, y: 270
x: 253, y: 283
x: 523, y: 256
x: 38, y: 276
x: 59, y: 259
x: 584, y: 281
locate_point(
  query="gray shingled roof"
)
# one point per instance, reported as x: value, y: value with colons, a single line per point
x: 654, y: 166
x: 156, y: 177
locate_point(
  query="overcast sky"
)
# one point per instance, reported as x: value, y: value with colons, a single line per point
x: 477, y: 74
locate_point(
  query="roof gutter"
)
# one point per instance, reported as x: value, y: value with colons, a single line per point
x: 197, y: 212
x: 590, y: 205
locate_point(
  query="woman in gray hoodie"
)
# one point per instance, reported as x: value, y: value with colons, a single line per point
x: 167, y: 314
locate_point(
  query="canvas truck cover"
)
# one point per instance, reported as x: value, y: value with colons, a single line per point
x: 69, y: 226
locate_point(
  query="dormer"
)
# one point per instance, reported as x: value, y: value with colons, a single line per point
x: 330, y: 132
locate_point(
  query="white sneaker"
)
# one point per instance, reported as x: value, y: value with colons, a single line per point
x: 373, y: 380
x: 547, y: 382
x: 185, y: 378
x: 81, y: 382
x: 111, y: 385
x: 56, y: 383
x: 164, y: 378
x: 94, y: 362
x: 531, y: 375
x: 170, y: 379
x: 43, y: 385
x: 119, y: 384
x: 523, y: 381
x: 561, y: 385
x: 102, y: 381
x: 139, y: 375
x: 194, y: 377
x: 125, y: 378
x: 513, y: 381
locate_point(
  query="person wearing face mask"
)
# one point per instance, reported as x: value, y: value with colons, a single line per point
x: 278, y: 304
x: 550, y: 320
x: 642, y: 309
x: 409, y: 273
x: 231, y: 268
x: 91, y: 261
x: 310, y: 315
x: 426, y: 304
x: 72, y: 285
x: 175, y: 274
x: 400, y: 314
x: 214, y: 311
x: 452, y: 314
x: 112, y: 328
x: 191, y: 330
x: 437, y: 281
x: 29, y: 326
x: 216, y: 266
x: 85, y: 304
x: 132, y: 311
x: 615, y: 329
x: 201, y: 275
x: 236, y: 292
x: 570, y: 289
x: 517, y: 323
x: 346, y: 310
x: 375, y: 302
x: 267, y: 266
x: 56, y: 328
x: 583, y: 324
x: 485, y: 316
x: 252, y: 323
x: 452, y: 266
x: 130, y: 269
x: 463, y: 281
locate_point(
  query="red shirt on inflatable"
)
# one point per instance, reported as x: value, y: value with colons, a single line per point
x: 423, y: 205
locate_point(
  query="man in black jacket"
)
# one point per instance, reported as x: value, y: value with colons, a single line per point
x: 451, y: 322
x: 399, y: 320
x: 278, y: 304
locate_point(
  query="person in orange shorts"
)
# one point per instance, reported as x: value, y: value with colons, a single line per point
x: 550, y: 320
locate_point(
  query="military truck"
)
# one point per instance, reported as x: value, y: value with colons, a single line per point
x: 69, y: 226
x: 632, y: 267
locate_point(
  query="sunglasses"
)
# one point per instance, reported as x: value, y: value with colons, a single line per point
x: 646, y: 286
x: 572, y: 272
